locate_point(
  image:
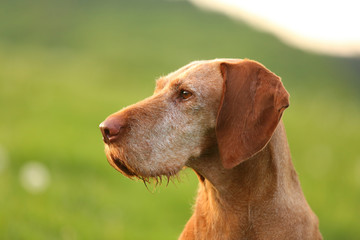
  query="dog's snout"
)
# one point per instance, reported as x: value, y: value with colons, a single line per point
x: 110, y: 129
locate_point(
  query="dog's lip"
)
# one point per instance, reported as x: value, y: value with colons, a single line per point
x: 121, y: 167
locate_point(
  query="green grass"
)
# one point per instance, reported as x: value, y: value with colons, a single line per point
x: 65, y: 66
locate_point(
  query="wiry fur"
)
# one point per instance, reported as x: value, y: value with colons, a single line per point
x: 162, y: 132
x: 229, y: 132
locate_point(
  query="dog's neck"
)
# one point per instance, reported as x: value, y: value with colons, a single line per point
x: 269, y: 170
x: 223, y: 194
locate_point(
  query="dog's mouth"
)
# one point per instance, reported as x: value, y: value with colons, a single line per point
x: 123, y: 168
x: 118, y: 160
x: 119, y: 165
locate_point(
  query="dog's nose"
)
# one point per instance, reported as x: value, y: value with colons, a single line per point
x: 110, y: 129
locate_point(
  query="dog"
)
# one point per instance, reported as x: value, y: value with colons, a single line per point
x: 222, y: 118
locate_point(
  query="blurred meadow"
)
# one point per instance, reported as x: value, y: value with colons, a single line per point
x: 66, y: 65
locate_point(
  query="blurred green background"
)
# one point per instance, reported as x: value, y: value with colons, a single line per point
x: 66, y: 65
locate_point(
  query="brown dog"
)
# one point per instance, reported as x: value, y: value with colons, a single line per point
x: 222, y: 119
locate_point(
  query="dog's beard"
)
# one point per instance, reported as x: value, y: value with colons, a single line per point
x: 120, y: 161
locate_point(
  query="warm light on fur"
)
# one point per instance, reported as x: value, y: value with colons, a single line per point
x: 226, y: 127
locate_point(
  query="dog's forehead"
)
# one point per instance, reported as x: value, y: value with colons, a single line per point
x: 194, y: 73
x: 198, y: 69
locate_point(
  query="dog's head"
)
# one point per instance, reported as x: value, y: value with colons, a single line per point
x: 230, y: 105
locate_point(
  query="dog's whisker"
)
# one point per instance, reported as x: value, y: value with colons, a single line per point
x: 168, y: 180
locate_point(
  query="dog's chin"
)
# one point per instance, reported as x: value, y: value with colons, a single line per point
x: 119, y: 161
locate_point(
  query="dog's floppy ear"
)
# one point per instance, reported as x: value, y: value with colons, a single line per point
x: 252, y: 103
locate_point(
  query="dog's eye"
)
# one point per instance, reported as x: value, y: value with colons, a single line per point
x: 185, y: 94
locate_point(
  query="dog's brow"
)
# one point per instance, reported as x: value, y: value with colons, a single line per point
x: 161, y: 82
